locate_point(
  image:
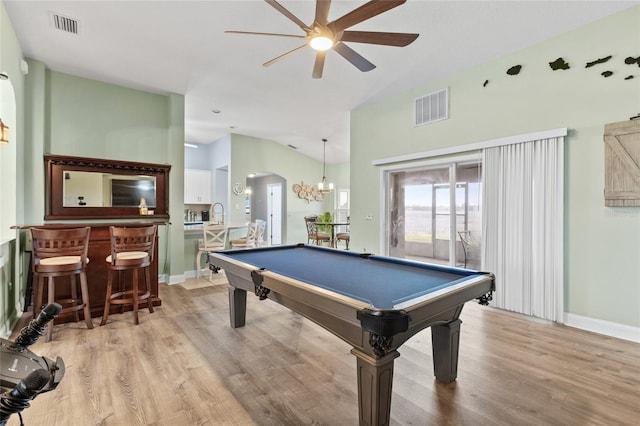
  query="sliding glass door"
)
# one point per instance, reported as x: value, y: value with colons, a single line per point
x: 435, y: 212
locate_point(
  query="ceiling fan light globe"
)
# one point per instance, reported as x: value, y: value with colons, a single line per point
x: 321, y: 43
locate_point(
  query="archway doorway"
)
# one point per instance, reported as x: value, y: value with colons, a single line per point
x: 266, y: 200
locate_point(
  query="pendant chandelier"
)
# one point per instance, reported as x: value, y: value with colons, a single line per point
x: 323, y: 186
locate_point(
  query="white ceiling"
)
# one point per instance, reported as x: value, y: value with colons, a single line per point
x: 181, y: 47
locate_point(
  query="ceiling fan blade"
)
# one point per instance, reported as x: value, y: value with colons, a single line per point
x: 386, y: 39
x: 322, y: 11
x: 354, y: 57
x: 319, y: 64
x: 284, y: 55
x: 364, y: 12
x: 288, y: 14
x: 267, y: 34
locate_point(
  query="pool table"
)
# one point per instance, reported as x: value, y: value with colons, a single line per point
x: 374, y: 303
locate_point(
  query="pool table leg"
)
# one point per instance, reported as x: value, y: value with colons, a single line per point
x: 445, y: 339
x: 237, y: 306
x: 375, y: 379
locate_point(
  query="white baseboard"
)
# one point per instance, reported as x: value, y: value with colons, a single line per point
x: 177, y: 279
x: 171, y: 279
x: 608, y: 328
x: 192, y: 274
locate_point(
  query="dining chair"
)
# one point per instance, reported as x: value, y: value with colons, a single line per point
x: 313, y: 233
x: 60, y: 253
x: 344, y: 236
x: 249, y: 240
x: 214, y: 239
x: 132, y: 250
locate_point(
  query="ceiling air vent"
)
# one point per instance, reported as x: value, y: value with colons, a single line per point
x: 432, y: 107
x: 64, y: 23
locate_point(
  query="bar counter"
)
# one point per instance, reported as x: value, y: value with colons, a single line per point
x: 97, y: 269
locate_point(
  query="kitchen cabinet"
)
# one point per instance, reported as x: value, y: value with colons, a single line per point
x: 197, y: 186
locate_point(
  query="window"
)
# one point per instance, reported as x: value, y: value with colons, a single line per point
x: 425, y: 217
x: 343, y: 203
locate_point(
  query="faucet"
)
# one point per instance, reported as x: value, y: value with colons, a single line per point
x: 215, y: 213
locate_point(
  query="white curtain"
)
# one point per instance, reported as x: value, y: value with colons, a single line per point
x: 522, y: 226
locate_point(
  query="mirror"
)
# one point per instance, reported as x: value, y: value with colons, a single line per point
x: 95, y: 189
x: 88, y: 188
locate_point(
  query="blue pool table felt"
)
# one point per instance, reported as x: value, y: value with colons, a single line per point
x: 383, y: 282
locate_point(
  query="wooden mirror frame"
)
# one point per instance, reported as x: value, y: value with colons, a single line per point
x: 56, y: 165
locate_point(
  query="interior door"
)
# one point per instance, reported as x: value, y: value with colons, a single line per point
x: 274, y: 214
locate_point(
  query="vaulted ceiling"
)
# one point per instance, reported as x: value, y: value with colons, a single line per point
x: 180, y: 47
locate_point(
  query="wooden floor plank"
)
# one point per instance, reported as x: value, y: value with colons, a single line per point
x: 184, y: 365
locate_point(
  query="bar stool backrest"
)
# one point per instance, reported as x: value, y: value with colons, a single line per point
x: 59, y: 253
x: 132, y: 249
x: 215, y: 237
x: 252, y: 237
x: 60, y: 243
x: 261, y: 226
x: 135, y: 242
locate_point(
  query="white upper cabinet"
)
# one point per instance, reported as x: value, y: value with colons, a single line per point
x: 197, y: 186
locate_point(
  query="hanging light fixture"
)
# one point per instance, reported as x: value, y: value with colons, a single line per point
x: 323, y: 186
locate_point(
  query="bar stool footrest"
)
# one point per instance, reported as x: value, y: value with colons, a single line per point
x: 127, y: 297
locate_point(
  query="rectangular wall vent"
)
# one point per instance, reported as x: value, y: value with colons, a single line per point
x: 64, y: 23
x: 432, y: 107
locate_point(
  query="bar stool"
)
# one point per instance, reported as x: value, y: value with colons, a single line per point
x: 131, y: 250
x: 249, y: 240
x: 58, y: 253
x: 215, y: 239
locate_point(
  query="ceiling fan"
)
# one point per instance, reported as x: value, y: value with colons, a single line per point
x: 323, y: 35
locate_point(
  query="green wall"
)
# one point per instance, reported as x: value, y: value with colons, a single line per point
x: 12, y: 96
x: 249, y: 154
x: 63, y: 114
x: 602, y: 245
x: 70, y: 115
x: 88, y: 118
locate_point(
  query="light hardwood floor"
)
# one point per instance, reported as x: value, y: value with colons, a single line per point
x: 184, y: 365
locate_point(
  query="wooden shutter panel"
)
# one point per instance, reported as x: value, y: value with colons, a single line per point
x: 622, y: 163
